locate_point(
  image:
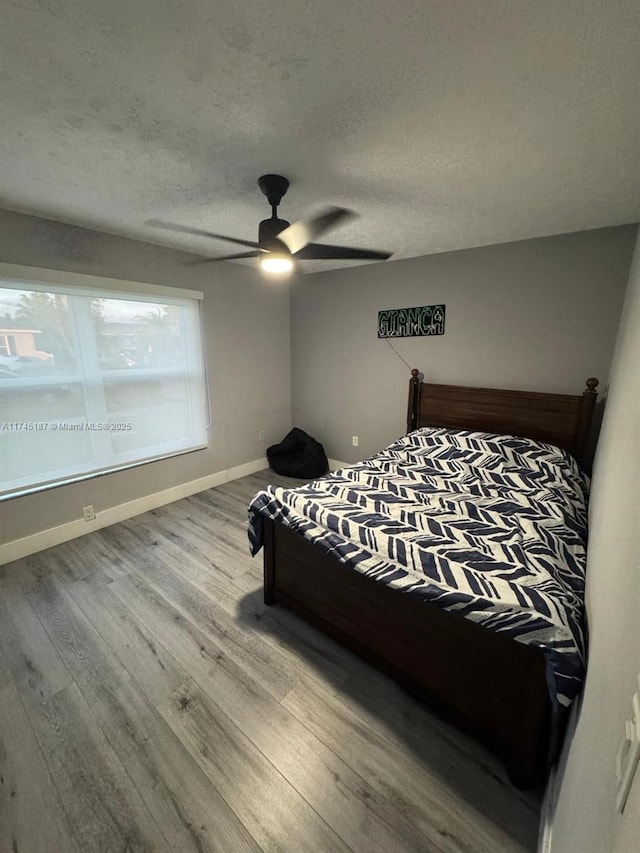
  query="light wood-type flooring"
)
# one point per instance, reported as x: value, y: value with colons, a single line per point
x: 149, y: 701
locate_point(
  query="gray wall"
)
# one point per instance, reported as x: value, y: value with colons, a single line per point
x: 248, y: 354
x: 585, y: 819
x: 536, y: 315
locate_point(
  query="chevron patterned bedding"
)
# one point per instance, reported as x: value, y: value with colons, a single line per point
x: 491, y: 527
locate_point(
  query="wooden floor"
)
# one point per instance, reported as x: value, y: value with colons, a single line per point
x: 150, y: 701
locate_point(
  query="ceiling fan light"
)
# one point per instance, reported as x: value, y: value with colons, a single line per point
x: 276, y: 263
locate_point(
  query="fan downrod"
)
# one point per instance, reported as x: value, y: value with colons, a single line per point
x: 274, y: 187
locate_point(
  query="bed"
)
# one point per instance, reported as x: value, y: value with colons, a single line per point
x: 504, y: 675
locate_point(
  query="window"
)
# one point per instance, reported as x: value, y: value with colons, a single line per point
x: 5, y: 344
x: 93, y: 379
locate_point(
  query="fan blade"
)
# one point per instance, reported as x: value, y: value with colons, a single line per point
x: 255, y: 254
x: 298, y: 235
x: 319, y: 252
x: 198, y: 232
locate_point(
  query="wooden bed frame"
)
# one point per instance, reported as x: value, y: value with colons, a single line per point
x: 489, y: 685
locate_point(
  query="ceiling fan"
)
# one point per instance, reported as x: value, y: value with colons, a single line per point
x: 280, y: 244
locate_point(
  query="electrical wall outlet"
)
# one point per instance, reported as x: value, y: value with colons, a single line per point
x: 88, y: 512
x: 261, y: 435
x: 355, y: 440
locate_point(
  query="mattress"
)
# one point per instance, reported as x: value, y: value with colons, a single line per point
x: 491, y: 527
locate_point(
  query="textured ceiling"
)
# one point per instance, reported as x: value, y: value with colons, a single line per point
x: 444, y: 124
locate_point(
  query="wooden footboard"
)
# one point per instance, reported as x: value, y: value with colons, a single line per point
x: 489, y: 685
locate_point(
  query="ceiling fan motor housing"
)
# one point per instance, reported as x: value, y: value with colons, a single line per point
x: 269, y: 229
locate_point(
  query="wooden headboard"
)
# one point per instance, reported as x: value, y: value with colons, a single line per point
x: 560, y: 419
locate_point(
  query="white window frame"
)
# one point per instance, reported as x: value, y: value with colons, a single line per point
x: 92, y: 286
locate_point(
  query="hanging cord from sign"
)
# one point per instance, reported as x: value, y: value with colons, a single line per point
x: 397, y: 353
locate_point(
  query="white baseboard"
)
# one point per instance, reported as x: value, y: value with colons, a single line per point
x: 18, y: 548
x: 334, y: 464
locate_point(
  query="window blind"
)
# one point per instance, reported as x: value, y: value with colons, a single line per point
x: 95, y: 378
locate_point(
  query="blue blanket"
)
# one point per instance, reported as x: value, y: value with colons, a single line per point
x: 491, y: 527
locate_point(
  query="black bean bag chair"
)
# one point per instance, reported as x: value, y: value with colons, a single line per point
x: 298, y: 455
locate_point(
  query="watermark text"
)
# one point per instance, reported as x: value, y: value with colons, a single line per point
x: 65, y: 426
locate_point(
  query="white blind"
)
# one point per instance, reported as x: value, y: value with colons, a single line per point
x: 93, y: 379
